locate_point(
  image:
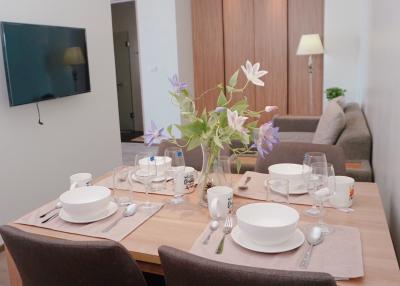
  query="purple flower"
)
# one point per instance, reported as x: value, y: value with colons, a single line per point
x: 153, y: 134
x: 220, y: 109
x: 178, y: 86
x: 265, y: 138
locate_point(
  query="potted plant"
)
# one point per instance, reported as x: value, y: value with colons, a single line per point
x: 336, y: 94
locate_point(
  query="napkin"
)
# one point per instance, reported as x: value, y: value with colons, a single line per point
x: 94, y: 229
x: 340, y: 254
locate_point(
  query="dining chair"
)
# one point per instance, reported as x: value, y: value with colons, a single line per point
x: 182, y: 269
x: 290, y: 152
x: 193, y: 158
x: 48, y: 261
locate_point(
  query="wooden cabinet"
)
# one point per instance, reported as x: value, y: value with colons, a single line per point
x: 226, y: 33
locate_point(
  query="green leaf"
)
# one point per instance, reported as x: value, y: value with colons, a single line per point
x: 218, y: 142
x: 233, y: 79
x: 238, y: 165
x: 240, y: 106
x: 194, y: 142
x: 169, y: 129
x: 221, y: 99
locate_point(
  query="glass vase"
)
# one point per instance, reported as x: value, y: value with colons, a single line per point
x: 215, y: 172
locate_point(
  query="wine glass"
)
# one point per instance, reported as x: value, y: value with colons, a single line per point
x: 309, y: 159
x: 145, y: 172
x: 177, y: 170
x: 323, y: 178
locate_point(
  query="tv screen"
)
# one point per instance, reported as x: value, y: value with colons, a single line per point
x: 44, y: 62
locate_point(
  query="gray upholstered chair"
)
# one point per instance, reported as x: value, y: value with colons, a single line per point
x: 183, y: 269
x: 49, y: 261
x: 291, y: 152
x: 193, y: 158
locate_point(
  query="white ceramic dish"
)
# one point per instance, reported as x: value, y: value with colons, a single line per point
x: 267, y: 223
x: 156, y: 180
x: 85, y: 201
x: 110, y: 210
x: 295, y: 241
x: 293, y: 173
x: 296, y: 190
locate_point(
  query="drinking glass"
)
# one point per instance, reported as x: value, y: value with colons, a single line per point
x: 145, y: 172
x: 280, y: 186
x: 323, y: 178
x: 310, y: 158
x: 159, y: 182
x: 121, y: 176
x: 177, y: 171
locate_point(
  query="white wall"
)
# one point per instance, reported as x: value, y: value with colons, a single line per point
x: 80, y: 133
x: 158, y: 29
x: 381, y: 101
x: 343, y: 49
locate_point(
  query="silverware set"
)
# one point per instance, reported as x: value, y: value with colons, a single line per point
x: 56, y: 207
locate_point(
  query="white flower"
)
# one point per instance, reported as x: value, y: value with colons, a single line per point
x: 253, y: 74
x: 270, y: 108
x: 236, y: 122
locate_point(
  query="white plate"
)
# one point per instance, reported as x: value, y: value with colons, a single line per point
x: 156, y: 180
x: 111, y: 209
x: 294, y: 190
x: 294, y: 242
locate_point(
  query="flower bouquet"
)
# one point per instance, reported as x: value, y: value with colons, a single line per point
x: 215, y: 130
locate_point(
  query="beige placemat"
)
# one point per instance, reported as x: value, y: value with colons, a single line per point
x: 94, y: 229
x: 138, y: 187
x: 257, y: 191
x: 340, y: 254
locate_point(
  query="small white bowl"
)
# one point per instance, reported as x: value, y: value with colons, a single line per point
x: 292, y: 172
x: 85, y: 201
x: 159, y: 165
x: 267, y: 223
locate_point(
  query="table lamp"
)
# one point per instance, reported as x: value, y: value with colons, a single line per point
x: 309, y: 45
x: 73, y: 56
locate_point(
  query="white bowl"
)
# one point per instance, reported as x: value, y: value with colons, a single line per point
x: 267, y: 223
x: 85, y: 201
x: 291, y: 172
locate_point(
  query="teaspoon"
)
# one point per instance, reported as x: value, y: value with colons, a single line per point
x: 314, y: 237
x: 213, y: 227
x: 57, y: 206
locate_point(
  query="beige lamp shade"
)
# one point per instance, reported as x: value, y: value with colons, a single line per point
x: 310, y: 45
x: 74, y: 56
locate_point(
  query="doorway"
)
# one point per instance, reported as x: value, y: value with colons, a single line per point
x: 126, y: 52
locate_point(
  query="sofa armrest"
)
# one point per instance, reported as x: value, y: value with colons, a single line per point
x: 290, y: 123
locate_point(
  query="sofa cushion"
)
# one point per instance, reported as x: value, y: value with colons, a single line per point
x: 303, y: 137
x: 330, y: 125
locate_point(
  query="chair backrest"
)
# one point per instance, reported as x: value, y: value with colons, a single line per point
x: 49, y: 261
x: 293, y: 152
x: 182, y: 269
x: 193, y: 158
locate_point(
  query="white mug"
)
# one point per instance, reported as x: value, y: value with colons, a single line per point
x: 80, y: 180
x: 190, y: 177
x: 220, y: 200
x: 343, y: 197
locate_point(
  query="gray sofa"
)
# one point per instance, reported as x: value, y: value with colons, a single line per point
x: 355, y: 139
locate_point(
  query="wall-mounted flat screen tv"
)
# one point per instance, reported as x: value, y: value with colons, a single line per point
x: 44, y: 62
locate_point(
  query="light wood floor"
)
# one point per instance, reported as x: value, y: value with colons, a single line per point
x: 3, y: 270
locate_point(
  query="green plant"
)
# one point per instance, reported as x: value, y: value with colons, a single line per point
x: 334, y: 92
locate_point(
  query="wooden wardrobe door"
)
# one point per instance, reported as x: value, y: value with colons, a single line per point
x: 208, y: 50
x: 304, y: 17
x: 239, y: 42
x: 271, y: 51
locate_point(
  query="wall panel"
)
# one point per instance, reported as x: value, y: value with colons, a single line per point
x: 304, y: 17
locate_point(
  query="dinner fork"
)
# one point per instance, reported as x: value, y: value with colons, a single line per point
x: 228, y: 225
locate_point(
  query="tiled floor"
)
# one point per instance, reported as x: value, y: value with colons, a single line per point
x: 128, y: 154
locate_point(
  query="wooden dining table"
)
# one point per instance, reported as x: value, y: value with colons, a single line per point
x: 180, y: 225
